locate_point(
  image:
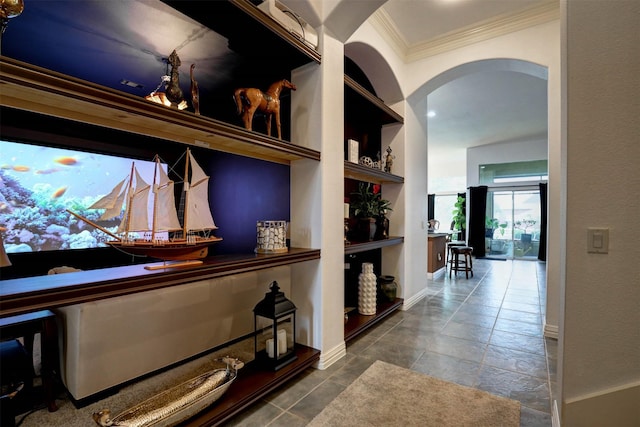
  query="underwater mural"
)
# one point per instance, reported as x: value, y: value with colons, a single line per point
x: 38, y: 184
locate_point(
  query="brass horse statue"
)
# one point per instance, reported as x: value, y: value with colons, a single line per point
x: 248, y: 100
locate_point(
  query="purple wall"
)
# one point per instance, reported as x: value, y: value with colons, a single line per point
x: 242, y: 192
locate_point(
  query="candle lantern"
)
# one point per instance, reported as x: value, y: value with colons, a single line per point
x: 274, y: 321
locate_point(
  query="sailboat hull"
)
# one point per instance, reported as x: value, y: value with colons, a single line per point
x: 169, y: 251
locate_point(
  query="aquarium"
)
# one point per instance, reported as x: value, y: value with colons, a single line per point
x: 39, y: 183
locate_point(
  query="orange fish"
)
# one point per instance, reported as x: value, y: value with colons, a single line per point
x: 59, y: 192
x: 20, y: 168
x: 67, y: 161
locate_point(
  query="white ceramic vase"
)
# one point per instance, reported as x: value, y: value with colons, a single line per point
x: 367, y: 290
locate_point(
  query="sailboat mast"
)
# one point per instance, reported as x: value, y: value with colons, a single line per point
x: 155, y: 200
x: 187, y: 187
x: 127, y: 215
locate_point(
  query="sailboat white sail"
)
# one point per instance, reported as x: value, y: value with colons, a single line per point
x: 165, y: 216
x: 190, y: 244
x: 198, y: 214
x: 137, y: 214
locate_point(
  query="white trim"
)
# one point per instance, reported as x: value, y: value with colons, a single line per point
x: 550, y: 331
x: 440, y: 272
x: 410, y: 302
x: 635, y: 384
x: 328, y: 358
x: 555, y: 415
x: 482, y: 31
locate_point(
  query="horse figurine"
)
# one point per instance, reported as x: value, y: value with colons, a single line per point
x: 195, y: 92
x: 172, y: 89
x: 248, y: 100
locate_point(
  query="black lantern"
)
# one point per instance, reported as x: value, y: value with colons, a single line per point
x: 274, y: 323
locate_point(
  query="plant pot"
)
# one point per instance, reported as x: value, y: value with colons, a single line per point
x: 367, y: 227
x: 526, y: 238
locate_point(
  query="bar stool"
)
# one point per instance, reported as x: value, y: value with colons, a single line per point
x: 465, y: 264
x: 450, y: 245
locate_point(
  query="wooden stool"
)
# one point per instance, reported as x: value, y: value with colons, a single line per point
x: 450, y: 246
x: 465, y: 264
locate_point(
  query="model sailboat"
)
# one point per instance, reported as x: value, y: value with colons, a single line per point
x: 164, y: 235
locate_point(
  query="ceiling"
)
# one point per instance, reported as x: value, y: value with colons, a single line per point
x: 479, y: 108
x: 125, y: 48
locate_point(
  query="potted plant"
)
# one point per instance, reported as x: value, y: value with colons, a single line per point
x: 460, y: 216
x: 369, y: 207
x: 524, y: 225
x: 490, y: 224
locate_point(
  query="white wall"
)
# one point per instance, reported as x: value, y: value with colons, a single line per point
x: 600, y: 337
x: 503, y: 152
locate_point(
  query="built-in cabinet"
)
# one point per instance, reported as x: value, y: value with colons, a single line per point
x: 30, y: 89
x: 365, y: 116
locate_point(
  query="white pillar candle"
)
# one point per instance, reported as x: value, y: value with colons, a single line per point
x: 346, y: 210
x: 282, y: 341
x: 270, y: 348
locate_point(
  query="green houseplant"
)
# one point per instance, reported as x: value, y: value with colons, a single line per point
x: 370, y: 208
x: 460, y: 214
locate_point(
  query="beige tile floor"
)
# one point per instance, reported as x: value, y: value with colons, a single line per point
x: 484, y: 332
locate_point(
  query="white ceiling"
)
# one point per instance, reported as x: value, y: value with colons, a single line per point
x: 480, y: 108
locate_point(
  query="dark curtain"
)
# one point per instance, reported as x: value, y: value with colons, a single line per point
x: 477, y: 213
x: 542, y: 252
x: 431, y: 206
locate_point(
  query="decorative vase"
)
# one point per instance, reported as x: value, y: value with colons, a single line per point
x: 367, y: 228
x: 382, y: 228
x: 367, y: 290
x: 388, y: 288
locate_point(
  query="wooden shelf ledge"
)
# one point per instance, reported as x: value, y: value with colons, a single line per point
x: 36, y: 89
x: 356, y: 247
x: 358, y: 323
x: 28, y: 294
x: 251, y: 385
x: 367, y: 174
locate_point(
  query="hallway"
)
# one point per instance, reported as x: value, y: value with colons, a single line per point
x: 485, y: 332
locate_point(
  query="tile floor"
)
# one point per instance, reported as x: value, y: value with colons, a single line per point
x: 484, y: 332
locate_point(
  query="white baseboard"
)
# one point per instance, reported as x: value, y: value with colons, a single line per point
x: 437, y: 273
x: 328, y: 358
x: 551, y: 331
x: 413, y: 300
x: 555, y: 415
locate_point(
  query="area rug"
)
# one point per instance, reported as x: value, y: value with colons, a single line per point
x: 388, y: 395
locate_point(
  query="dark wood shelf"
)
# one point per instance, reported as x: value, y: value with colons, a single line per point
x: 367, y: 174
x: 364, y: 98
x: 251, y: 385
x: 356, y: 247
x: 32, y: 88
x: 358, y: 323
x: 273, y: 25
x: 28, y: 294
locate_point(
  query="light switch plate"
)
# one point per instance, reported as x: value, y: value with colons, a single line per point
x: 598, y: 240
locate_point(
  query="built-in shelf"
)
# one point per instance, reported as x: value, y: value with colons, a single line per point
x: 28, y: 294
x: 32, y: 88
x: 365, y: 99
x: 357, y: 323
x: 251, y: 385
x: 273, y: 25
x: 367, y: 174
x: 356, y: 247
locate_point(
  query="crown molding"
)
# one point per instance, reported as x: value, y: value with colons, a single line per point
x: 494, y: 27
